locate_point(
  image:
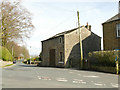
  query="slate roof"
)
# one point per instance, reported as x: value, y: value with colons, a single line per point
x: 62, y: 34
x: 65, y: 32
x: 116, y: 17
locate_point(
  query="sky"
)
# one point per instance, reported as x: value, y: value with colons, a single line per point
x: 54, y: 16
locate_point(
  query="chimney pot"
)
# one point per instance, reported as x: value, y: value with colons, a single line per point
x: 88, y: 26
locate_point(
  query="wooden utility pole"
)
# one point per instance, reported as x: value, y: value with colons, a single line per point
x: 80, y: 40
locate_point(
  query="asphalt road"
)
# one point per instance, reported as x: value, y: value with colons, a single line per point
x: 26, y: 76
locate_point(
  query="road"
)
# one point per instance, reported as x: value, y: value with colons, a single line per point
x: 26, y: 76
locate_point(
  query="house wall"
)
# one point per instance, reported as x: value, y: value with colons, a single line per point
x: 52, y: 44
x: 70, y: 47
x: 90, y: 42
x: 110, y: 40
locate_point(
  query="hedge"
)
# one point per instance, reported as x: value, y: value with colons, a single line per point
x: 102, y: 61
x: 103, y: 58
x: 5, y: 54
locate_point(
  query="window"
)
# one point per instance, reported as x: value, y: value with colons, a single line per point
x: 61, y: 56
x: 118, y: 30
x: 60, y: 40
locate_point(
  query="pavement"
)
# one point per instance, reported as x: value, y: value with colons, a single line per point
x: 27, y: 76
x: 4, y: 63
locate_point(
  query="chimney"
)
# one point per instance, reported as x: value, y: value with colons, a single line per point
x: 88, y: 26
x: 119, y: 7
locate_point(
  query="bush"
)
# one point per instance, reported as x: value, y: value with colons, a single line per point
x: 103, y: 61
x: 25, y: 62
x: 102, y: 58
x: 28, y: 59
x: 5, y: 54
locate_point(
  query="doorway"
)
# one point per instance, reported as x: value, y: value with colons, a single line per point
x: 52, y: 57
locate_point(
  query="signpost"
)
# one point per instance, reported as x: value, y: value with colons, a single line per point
x: 117, y: 60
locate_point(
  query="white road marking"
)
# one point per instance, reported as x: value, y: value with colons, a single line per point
x: 44, y: 78
x: 114, y: 85
x: 78, y: 81
x: 91, y: 76
x: 75, y: 82
x: 40, y: 78
x: 83, y: 82
x: 62, y: 80
x: 99, y: 84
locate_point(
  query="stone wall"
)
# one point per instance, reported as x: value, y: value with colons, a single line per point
x: 70, y: 47
x: 52, y: 44
x: 90, y: 42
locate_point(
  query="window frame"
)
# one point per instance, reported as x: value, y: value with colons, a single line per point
x: 61, y: 56
x: 118, y: 29
x: 60, y: 40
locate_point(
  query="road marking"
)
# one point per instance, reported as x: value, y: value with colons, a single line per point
x: 114, y: 85
x: 62, y: 80
x: 83, y: 82
x: 91, y: 76
x: 44, y: 78
x: 75, y: 82
x: 78, y: 81
x: 40, y: 78
x: 98, y: 84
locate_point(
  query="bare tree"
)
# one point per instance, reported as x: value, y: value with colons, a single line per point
x: 16, y: 22
x: 25, y: 52
x: 17, y: 50
x: 14, y: 48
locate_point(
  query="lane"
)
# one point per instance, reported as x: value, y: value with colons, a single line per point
x: 81, y: 78
x: 27, y: 76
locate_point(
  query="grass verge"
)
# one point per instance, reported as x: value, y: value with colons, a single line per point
x: 8, y: 65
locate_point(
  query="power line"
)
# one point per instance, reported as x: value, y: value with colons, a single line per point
x: 62, y: 22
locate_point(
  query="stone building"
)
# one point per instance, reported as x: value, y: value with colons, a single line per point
x: 111, y: 33
x: 63, y: 49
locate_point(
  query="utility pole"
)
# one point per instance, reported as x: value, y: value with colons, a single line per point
x: 80, y: 40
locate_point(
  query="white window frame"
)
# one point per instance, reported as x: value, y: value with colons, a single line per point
x: 118, y: 29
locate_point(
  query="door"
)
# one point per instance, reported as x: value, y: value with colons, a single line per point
x: 52, y: 57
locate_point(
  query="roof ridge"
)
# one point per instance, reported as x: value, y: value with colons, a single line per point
x: 115, y: 17
x: 65, y: 32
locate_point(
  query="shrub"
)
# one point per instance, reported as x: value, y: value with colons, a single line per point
x: 102, y: 58
x: 5, y: 54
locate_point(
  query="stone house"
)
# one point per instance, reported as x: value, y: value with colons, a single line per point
x: 63, y: 49
x: 111, y: 33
